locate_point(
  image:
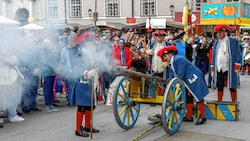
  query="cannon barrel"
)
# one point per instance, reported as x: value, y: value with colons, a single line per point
x: 120, y: 71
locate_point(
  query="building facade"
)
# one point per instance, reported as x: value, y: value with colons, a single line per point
x: 51, y: 12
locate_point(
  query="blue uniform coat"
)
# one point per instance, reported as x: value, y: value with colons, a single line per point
x: 82, y: 89
x: 194, y: 79
x: 234, y: 57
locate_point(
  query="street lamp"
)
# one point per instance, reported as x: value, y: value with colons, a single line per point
x: 90, y: 13
x: 171, y: 7
x: 149, y: 18
x: 65, y: 11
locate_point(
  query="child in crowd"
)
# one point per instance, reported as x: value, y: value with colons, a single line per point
x: 146, y: 57
x: 139, y: 63
x: 59, y: 86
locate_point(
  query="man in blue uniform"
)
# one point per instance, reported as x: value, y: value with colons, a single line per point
x: 179, y: 66
x: 226, y: 62
x: 82, y: 94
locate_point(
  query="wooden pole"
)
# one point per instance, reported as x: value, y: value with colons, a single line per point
x: 95, y: 18
x: 235, y: 53
x: 92, y: 108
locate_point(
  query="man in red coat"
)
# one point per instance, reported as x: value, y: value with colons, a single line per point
x: 122, y: 55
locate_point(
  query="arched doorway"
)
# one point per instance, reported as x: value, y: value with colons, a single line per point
x: 22, y: 15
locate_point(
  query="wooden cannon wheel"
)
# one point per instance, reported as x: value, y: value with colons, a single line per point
x: 125, y: 110
x: 173, y: 106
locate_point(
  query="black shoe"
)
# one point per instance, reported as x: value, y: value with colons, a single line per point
x: 201, y: 120
x: 88, y: 130
x: 27, y: 111
x: 154, y: 117
x: 36, y: 109
x: 82, y: 134
x: 55, y: 105
x: 242, y: 73
x: 1, y: 126
x: 209, y: 86
x: 185, y: 119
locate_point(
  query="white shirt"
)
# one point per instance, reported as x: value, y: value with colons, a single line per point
x: 223, y: 55
x: 172, y: 66
x: 157, y: 62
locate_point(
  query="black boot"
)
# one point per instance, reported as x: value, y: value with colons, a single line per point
x: 81, y: 133
x: 94, y: 130
x: 1, y: 126
x: 200, y: 120
x: 185, y: 119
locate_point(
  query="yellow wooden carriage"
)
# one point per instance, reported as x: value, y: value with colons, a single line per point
x: 136, y: 88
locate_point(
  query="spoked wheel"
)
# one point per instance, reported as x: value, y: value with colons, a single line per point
x: 173, y: 106
x: 126, y: 111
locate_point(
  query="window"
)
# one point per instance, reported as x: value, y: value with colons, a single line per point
x: 147, y: 7
x: 112, y: 8
x: 198, y: 4
x: 52, y: 8
x: 232, y: 0
x: 1, y: 7
x: 75, y: 8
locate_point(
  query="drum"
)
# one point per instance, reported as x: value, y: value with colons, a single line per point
x: 10, y: 87
x: 8, y: 75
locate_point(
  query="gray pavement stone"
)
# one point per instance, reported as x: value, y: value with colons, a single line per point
x: 189, y: 136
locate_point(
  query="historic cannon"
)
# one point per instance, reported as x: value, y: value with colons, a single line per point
x: 135, y: 88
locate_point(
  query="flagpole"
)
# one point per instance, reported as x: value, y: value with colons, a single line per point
x: 235, y: 74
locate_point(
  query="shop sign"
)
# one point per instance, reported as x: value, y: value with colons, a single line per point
x: 130, y: 20
x: 156, y: 23
x: 195, y: 17
x: 220, y: 10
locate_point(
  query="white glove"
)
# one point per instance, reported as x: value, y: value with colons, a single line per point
x: 150, y: 52
x: 36, y: 72
x: 11, y: 60
x: 92, y: 73
x: 164, y: 64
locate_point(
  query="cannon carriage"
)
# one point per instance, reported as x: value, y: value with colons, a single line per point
x: 136, y: 88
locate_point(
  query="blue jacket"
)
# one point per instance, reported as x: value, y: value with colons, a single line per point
x: 234, y: 57
x: 82, y: 90
x: 194, y: 79
x: 152, y: 46
x: 82, y: 93
x: 181, y: 48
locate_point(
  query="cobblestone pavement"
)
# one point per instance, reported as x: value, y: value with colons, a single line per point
x: 60, y: 126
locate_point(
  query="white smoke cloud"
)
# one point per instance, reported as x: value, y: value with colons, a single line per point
x: 26, y: 49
